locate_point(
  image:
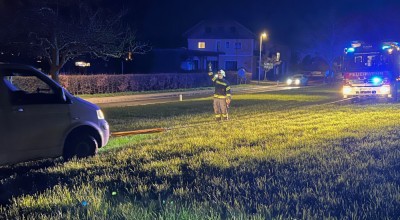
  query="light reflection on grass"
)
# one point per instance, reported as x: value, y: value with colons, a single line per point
x: 278, y: 157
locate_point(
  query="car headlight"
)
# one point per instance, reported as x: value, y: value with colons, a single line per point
x: 289, y: 81
x: 100, y: 114
x: 297, y: 82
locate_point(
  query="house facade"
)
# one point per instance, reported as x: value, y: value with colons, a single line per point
x: 233, y: 43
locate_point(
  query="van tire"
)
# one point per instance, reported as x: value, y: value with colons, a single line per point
x: 80, y: 146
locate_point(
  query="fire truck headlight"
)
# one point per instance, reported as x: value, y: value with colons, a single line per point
x: 289, y: 81
x: 297, y: 82
x: 346, y: 90
x: 385, y: 89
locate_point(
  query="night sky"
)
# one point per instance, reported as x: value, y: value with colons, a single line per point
x: 163, y: 22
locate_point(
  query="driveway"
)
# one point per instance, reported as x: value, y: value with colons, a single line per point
x: 163, y: 97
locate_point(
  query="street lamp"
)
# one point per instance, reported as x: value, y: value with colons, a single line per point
x: 262, y: 36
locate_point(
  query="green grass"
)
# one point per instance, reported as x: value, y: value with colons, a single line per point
x: 150, y: 92
x: 200, y: 110
x: 281, y: 156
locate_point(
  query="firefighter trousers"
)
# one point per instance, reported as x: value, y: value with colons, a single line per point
x: 220, y: 109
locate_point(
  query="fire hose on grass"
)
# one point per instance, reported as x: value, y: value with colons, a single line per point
x: 136, y: 132
x: 156, y: 130
x: 151, y: 130
x: 159, y: 130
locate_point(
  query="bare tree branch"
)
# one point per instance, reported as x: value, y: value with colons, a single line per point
x: 59, y: 31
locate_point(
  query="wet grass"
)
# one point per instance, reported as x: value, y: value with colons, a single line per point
x: 280, y: 156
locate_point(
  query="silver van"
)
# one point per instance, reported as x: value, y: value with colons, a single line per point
x: 40, y: 119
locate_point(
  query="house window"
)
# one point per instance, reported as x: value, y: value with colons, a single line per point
x: 218, y: 45
x: 231, y: 65
x: 238, y: 45
x: 227, y: 44
x: 201, y: 45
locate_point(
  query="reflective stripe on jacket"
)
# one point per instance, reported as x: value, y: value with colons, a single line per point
x: 222, y: 87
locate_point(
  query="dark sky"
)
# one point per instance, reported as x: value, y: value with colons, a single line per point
x: 163, y: 22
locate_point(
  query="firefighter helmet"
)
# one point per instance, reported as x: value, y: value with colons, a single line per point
x: 222, y: 72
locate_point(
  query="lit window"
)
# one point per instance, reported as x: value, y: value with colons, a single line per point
x: 82, y: 64
x: 202, y: 45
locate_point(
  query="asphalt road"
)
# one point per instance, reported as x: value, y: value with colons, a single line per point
x: 154, y: 98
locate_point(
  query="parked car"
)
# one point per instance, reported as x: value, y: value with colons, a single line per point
x: 298, y: 80
x: 40, y: 119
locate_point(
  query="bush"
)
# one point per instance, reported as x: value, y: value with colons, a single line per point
x: 103, y: 83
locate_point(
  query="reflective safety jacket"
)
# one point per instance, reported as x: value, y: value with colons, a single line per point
x: 222, y: 87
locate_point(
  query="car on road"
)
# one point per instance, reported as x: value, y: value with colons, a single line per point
x: 40, y: 119
x: 298, y: 80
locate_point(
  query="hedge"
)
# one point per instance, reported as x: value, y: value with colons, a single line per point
x: 106, y: 83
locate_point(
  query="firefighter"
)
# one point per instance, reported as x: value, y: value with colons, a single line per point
x: 222, y: 94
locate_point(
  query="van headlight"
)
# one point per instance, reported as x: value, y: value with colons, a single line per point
x: 289, y: 81
x: 100, y: 114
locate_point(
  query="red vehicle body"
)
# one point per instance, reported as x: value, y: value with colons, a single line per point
x: 371, y: 70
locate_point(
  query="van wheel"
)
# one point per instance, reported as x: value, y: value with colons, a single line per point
x: 80, y: 146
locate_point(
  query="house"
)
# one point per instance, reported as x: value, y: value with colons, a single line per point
x: 234, y: 43
x: 226, y: 44
x: 173, y: 60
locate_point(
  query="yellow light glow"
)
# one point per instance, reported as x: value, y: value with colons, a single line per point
x: 82, y: 64
x: 201, y: 45
x: 346, y: 90
x: 264, y: 35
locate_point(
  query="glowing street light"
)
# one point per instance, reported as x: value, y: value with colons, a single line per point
x: 262, y: 36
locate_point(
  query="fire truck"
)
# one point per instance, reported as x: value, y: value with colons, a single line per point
x: 371, y: 70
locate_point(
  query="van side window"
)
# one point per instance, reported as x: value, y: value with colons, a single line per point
x: 25, y: 89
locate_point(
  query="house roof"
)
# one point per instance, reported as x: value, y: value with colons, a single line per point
x: 219, y: 29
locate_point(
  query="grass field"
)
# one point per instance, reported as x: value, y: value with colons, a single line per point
x: 283, y: 155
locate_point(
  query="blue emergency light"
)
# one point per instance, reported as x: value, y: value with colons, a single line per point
x: 376, y: 80
x: 350, y: 50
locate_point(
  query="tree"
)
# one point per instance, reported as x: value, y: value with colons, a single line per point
x: 330, y: 29
x: 324, y: 38
x: 61, y: 30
